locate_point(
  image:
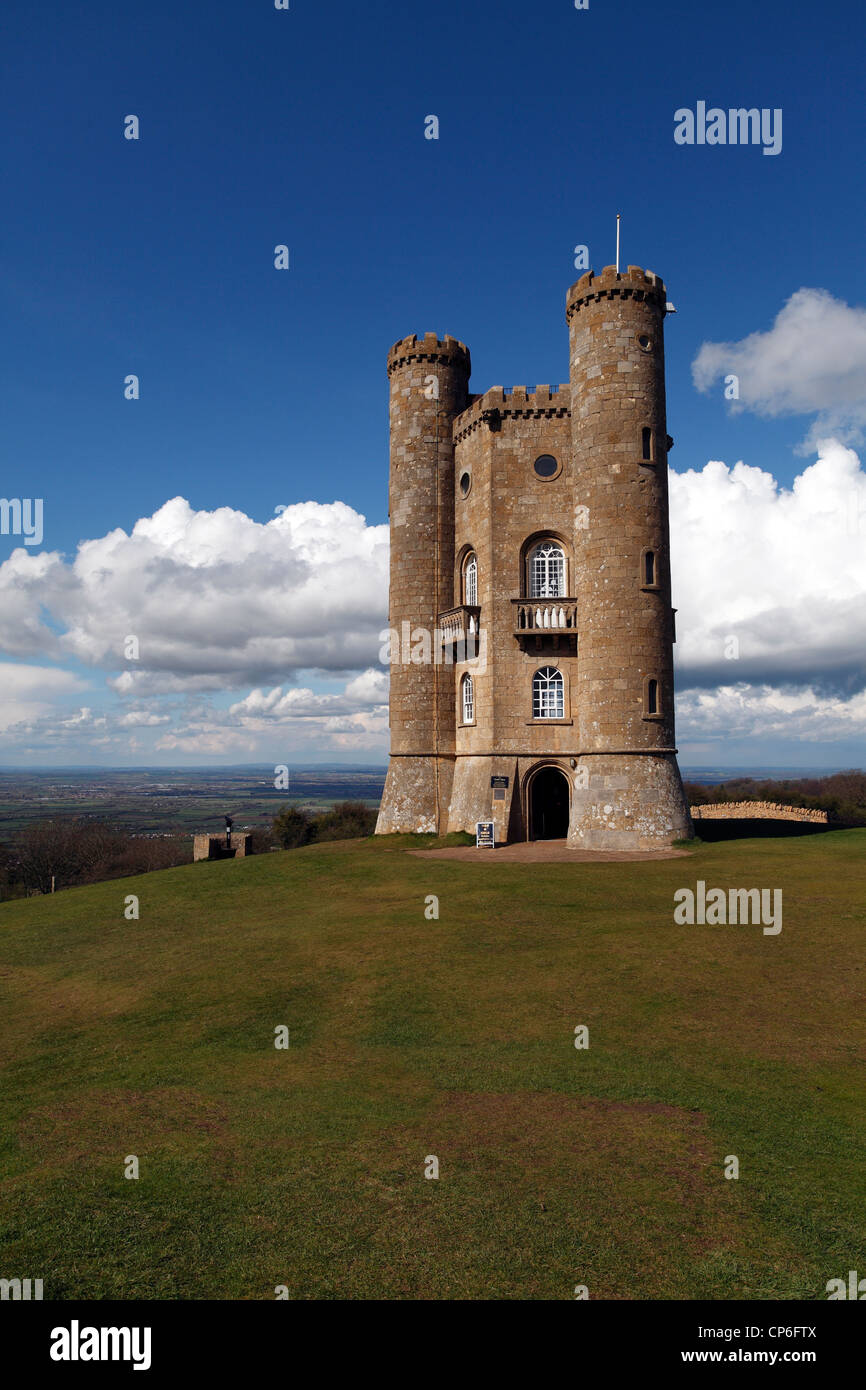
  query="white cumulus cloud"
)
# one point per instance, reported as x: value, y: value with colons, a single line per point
x: 812, y: 360
x: 216, y: 600
x: 29, y: 692
x: 770, y: 583
x: 734, y: 713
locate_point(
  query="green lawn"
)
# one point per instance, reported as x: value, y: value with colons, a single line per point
x: 454, y: 1038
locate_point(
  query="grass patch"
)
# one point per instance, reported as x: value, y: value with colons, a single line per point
x: 449, y: 841
x: 454, y: 1038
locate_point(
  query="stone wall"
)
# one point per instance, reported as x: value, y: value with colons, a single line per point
x: 507, y: 508
x: 214, y: 846
x: 758, y: 810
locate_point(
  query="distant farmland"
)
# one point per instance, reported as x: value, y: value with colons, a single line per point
x: 180, y: 801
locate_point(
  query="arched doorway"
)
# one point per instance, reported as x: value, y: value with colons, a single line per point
x: 548, y: 805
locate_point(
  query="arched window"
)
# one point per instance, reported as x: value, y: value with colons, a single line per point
x: 547, y: 571
x: 467, y: 692
x: 470, y: 581
x: 548, y: 694
x: 652, y: 697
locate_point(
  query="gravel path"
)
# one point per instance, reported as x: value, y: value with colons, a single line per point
x: 546, y: 852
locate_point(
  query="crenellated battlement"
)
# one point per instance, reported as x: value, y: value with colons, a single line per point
x: 513, y: 402
x: 445, y: 351
x: 634, y: 283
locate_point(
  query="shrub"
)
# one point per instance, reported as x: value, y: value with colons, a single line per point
x: 348, y: 820
x: 262, y: 840
x: 75, y: 851
x: 292, y: 827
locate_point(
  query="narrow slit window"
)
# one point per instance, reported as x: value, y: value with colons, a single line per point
x: 649, y: 567
x: 647, y: 443
x: 652, y: 697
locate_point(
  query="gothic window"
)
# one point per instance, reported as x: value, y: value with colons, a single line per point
x: 547, y: 571
x: 548, y: 694
x: 468, y: 700
x: 470, y: 581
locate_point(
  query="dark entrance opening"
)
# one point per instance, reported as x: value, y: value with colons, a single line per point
x: 548, y: 808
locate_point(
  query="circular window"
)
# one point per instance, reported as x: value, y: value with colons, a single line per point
x: 465, y: 483
x: 546, y: 466
x: 645, y: 342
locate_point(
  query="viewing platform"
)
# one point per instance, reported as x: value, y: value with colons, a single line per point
x: 460, y: 625
x: 544, y: 618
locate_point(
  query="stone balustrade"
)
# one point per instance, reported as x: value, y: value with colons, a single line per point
x: 544, y: 615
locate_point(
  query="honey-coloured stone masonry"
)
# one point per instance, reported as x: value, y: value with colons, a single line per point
x: 530, y: 543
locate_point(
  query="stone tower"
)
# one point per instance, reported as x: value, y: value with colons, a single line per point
x: 531, y: 620
x: 428, y: 381
x: 625, y: 685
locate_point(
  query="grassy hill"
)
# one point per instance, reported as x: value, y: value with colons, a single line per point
x: 455, y: 1038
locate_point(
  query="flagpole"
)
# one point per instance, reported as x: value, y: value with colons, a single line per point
x: 617, y: 243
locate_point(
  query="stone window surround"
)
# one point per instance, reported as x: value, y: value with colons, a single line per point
x: 469, y: 559
x: 653, y: 458
x: 466, y: 682
x: 552, y: 477
x: 530, y: 543
x: 460, y: 561
x: 655, y: 587
x: 659, y: 714
x: 563, y: 718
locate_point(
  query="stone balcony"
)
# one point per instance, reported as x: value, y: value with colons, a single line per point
x: 460, y: 627
x: 545, y: 620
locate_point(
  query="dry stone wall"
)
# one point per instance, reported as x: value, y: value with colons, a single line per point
x: 758, y: 810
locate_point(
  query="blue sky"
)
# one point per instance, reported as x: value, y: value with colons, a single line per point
x: 306, y: 127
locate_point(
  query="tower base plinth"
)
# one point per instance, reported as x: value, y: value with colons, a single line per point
x: 410, y: 797
x: 631, y: 802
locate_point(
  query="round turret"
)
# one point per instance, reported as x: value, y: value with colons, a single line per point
x: 625, y: 692
x: 429, y: 387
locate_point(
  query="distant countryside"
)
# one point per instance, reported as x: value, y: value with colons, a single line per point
x: 82, y: 825
x: 66, y: 827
